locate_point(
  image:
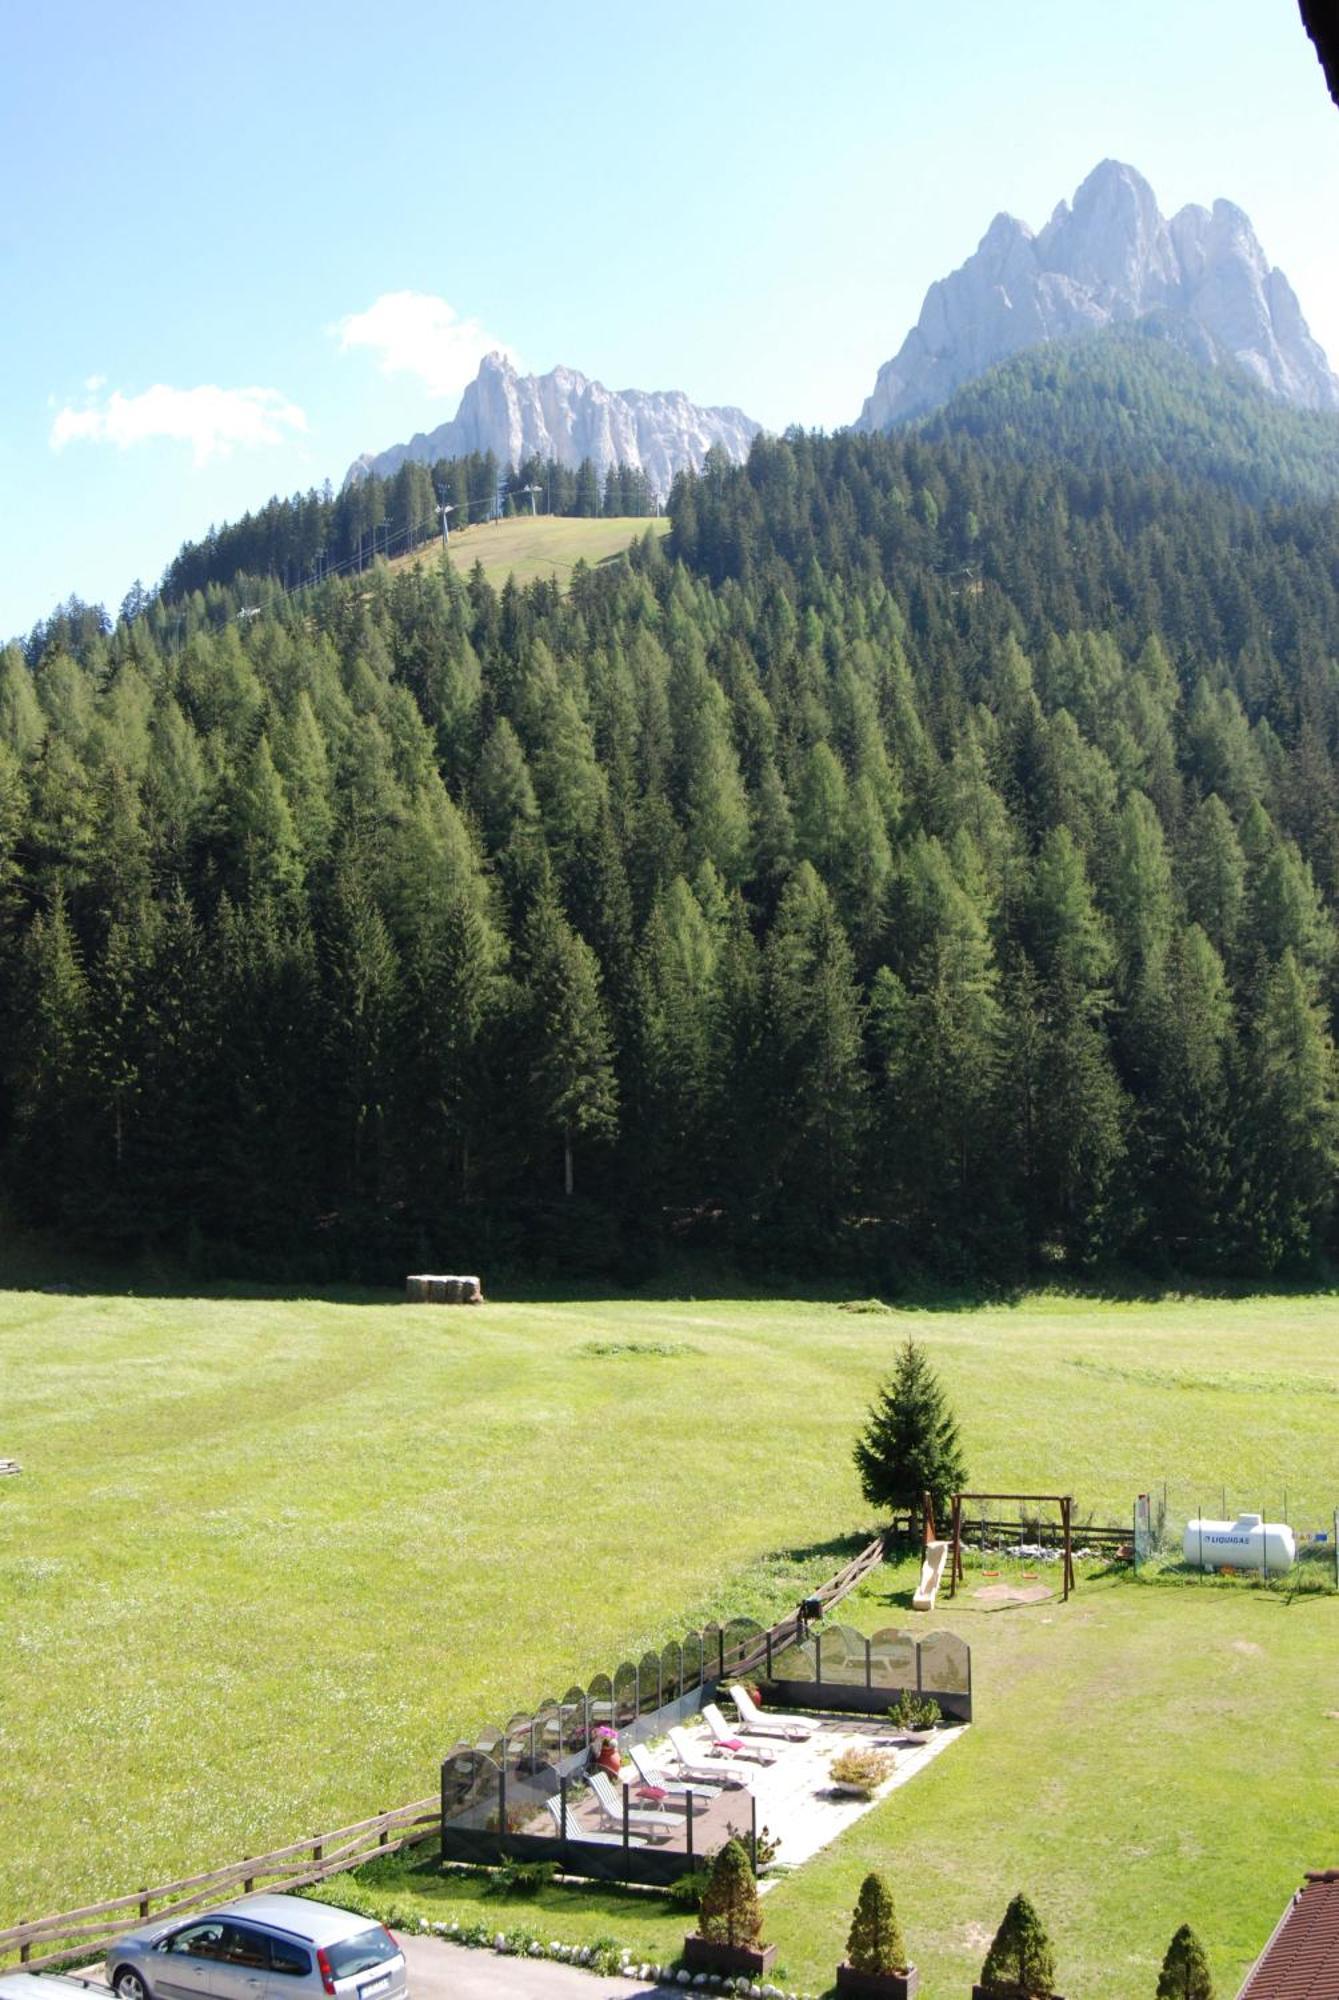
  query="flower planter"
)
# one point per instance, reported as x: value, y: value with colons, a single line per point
x: 877, y: 1985
x: 705, y: 1955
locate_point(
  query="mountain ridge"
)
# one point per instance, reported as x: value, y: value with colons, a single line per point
x: 1109, y: 258
x: 568, y: 416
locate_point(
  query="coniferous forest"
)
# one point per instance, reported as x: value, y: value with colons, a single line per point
x: 926, y: 860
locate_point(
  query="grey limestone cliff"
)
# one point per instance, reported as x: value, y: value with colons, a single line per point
x: 1112, y: 256
x: 568, y: 417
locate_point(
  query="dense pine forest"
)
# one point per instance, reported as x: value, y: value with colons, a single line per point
x: 927, y: 861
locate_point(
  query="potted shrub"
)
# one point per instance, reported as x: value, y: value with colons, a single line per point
x: 915, y: 1717
x: 1020, y: 1964
x: 1185, y: 1969
x: 729, y: 1921
x: 876, y: 1967
x: 860, y: 1772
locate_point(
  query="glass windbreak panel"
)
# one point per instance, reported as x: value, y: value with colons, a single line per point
x: 690, y: 1654
x: 489, y: 1743
x: 348, y: 1957
x: 648, y: 1684
x: 548, y: 1733
x: 892, y: 1659
x: 625, y: 1696
x: 712, y: 1644
x: 843, y: 1656
x: 575, y: 1732
x: 945, y: 1664
x: 470, y: 1788
x: 518, y: 1750
x: 671, y: 1671
x: 601, y: 1699
x: 794, y: 1663
x: 743, y: 1638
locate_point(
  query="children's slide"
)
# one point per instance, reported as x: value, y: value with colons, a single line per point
x: 932, y: 1572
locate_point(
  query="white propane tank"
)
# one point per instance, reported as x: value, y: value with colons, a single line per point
x: 1246, y: 1543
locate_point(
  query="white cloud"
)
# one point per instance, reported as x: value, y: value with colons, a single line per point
x: 413, y: 333
x: 95, y: 382
x: 212, y: 421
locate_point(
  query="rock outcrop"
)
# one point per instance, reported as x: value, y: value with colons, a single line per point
x: 568, y: 417
x: 1110, y: 257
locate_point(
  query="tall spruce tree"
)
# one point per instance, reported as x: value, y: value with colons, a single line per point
x: 910, y: 1444
x: 1185, y: 1969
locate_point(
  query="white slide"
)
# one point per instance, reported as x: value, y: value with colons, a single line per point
x: 932, y: 1573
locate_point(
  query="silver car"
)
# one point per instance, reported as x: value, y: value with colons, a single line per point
x: 259, y: 1948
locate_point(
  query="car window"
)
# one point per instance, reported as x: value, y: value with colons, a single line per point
x: 199, y: 1940
x: 289, y: 1958
x: 243, y: 1946
x: 360, y: 1953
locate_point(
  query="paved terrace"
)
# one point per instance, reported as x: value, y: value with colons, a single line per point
x: 795, y: 1798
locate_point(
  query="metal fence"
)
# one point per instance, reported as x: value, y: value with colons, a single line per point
x: 1166, y: 1542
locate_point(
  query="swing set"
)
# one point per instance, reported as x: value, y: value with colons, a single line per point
x: 1064, y: 1501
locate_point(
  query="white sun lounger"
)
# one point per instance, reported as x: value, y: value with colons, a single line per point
x: 575, y: 1830
x: 661, y: 1781
x: 728, y: 1743
x: 754, y: 1723
x: 691, y: 1765
x: 655, y: 1825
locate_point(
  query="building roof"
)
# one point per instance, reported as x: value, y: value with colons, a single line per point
x: 1301, y: 1960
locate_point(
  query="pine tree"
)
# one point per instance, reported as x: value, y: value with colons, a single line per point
x: 910, y: 1445
x: 1185, y: 1969
x: 1020, y: 1963
x: 875, y: 1944
x: 570, y: 1055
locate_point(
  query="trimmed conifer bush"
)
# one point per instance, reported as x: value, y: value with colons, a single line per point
x: 729, y: 1912
x: 1185, y: 1969
x: 875, y: 1944
x: 1020, y: 1964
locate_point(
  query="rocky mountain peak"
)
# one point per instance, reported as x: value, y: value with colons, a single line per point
x: 567, y: 416
x: 1108, y: 256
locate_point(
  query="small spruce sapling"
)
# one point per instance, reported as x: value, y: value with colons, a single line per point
x: 1020, y: 1961
x: 875, y: 1945
x: 729, y: 1912
x: 1185, y: 1970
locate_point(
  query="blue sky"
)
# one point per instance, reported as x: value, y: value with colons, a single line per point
x: 242, y: 243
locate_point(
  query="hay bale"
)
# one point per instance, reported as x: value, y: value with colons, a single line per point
x: 428, y: 1288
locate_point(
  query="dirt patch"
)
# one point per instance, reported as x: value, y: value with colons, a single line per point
x: 1013, y: 1593
x: 1247, y: 1646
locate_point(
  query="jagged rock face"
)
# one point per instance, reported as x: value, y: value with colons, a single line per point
x: 1111, y: 256
x: 566, y: 416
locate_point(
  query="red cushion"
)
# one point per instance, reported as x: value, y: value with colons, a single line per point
x: 652, y: 1792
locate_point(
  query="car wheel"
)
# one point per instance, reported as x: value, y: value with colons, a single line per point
x: 128, y: 1985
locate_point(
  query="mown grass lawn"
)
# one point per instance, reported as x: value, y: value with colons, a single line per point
x: 267, y: 1558
x: 545, y: 545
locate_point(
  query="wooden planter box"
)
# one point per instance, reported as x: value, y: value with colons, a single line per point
x: 877, y: 1985
x: 730, y: 1960
x: 989, y: 1993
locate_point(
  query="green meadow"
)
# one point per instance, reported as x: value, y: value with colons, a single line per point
x: 268, y: 1557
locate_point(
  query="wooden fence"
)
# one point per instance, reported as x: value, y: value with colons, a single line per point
x: 84, y: 1934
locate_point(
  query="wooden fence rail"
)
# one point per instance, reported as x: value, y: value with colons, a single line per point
x: 85, y: 1933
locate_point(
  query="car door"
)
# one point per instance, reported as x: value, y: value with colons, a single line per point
x: 184, y: 1966
x: 293, y: 1974
x: 243, y: 1970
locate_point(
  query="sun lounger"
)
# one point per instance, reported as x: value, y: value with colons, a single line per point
x: 728, y: 1743
x: 576, y: 1831
x: 754, y: 1723
x: 660, y: 1782
x: 692, y: 1767
x: 655, y: 1825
